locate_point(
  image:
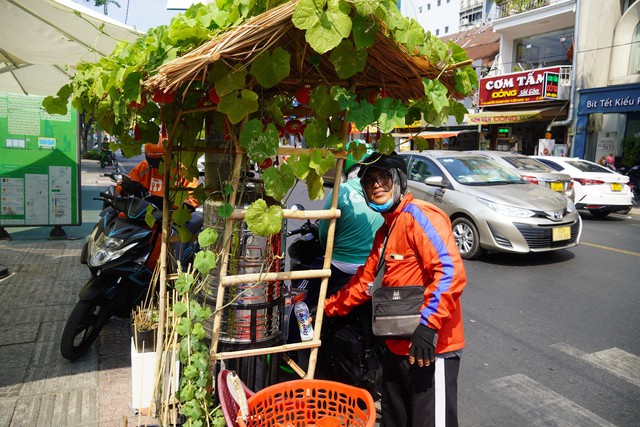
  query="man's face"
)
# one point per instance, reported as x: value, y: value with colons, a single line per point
x: 378, y: 185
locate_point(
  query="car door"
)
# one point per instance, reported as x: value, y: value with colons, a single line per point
x: 428, y: 182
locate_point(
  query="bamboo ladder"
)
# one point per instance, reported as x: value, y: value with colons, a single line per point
x: 230, y: 280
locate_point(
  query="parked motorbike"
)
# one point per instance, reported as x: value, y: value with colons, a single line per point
x: 115, y: 177
x: 349, y: 353
x: 121, y: 253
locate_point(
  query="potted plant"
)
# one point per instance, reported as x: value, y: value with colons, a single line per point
x: 144, y: 325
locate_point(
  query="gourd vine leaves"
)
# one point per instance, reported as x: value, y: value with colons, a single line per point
x: 338, y: 32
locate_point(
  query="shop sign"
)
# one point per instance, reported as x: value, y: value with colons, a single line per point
x: 550, y: 87
x: 515, y: 88
x: 490, y: 118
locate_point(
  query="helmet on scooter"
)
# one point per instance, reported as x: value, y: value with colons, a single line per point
x: 393, y: 163
x: 153, y: 154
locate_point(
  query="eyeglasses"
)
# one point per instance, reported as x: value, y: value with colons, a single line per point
x: 383, y: 180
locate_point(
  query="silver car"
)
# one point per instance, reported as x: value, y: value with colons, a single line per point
x: 533, y: 171
x: 490, y: 206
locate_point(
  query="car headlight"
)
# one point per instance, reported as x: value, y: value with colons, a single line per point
x: 571, y: 208
x: 104, y: 249
x: 506, y: 210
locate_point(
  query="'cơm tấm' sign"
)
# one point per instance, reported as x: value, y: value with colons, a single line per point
x: 516, y: 88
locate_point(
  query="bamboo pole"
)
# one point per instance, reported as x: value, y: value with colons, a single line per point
x: 317, y: 329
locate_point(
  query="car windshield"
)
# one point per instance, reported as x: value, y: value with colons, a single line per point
x: 478, y: 171
x: 587, y: 167
x: 526, y: 164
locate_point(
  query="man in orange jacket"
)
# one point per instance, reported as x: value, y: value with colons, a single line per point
x: 419, y: 384
x: 147, y: 174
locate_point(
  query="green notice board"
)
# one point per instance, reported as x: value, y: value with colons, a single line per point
x: 39, y: 164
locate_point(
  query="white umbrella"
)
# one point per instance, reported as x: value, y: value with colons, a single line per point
x: 41, y: 41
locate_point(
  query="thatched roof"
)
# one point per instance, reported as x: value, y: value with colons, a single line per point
x: 389, y: 65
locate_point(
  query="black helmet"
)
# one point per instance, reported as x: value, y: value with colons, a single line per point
x: 393, y: 163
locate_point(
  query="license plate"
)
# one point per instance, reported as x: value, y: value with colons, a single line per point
x: 557, y: 186
x: 616, y: 186
x: 560, y: 233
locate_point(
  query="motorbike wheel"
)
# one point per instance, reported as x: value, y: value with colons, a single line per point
x: 83, y: 327
x: 102, y: 165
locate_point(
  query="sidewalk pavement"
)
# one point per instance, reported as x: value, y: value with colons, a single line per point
x: 38, y: 387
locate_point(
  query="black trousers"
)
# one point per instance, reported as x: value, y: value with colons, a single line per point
x: 419, y: 397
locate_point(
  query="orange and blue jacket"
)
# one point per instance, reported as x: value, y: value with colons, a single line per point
x: 420, y: 250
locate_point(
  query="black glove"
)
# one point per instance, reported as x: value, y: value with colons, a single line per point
x: 423, y: 344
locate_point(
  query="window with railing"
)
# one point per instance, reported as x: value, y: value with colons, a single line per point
x: 513, y: 7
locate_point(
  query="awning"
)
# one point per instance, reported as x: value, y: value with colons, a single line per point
x: 428, y: 134
x: 497, y: 117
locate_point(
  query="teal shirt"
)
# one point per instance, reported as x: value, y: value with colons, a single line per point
x: 356, y: 226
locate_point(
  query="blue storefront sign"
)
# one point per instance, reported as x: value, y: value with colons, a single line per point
x: 610, y: 99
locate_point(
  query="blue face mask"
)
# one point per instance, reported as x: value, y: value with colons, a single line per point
x: 381, y: 208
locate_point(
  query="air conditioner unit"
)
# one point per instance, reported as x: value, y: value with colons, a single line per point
x: 464, y: 21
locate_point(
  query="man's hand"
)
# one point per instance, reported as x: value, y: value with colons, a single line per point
x: 423, y: 346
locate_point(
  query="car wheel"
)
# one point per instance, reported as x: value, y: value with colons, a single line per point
x: 599, y: 214
x: 467, y: 238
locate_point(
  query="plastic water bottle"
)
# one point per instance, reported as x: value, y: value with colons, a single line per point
x: 302, y: 316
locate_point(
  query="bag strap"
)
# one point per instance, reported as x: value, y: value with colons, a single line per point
x: 377, y: 282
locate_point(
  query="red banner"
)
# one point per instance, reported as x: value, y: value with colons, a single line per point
x: 514, y: 88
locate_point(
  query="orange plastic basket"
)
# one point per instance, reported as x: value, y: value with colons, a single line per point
x: 301, y: 403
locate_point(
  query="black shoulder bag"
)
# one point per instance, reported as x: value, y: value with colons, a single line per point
x: 396, y: 309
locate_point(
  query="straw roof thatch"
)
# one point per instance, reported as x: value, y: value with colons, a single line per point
x: 389, y: 65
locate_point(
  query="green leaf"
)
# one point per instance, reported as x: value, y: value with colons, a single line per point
x: 184, y: 234
x: 226, y: 79
x: 270, y: 69
x: 323, y: 103
x: 205, y: 261
x: 346, y: 99
x: 458, y: 54
x: 238, y: 105
x: 436, y: 93
x: 299, y: 165
x: 420, y: 143
x: 132, y: 85
x: 278, y: 182
x: 315, y: 133
x: 327, y: 22
x: 54, y: 105
x: 181, y: 216
x: 315, y: 189
x: 184, y: 326
x: 411, y: 36
x: 458, y: 110
x: 362, y: 115
x: 148, y: 217
x: 348, y: 60
x: 358, y: 150
x: 259, y: 143
x: 198, y: 331
x: 207, y: 237
x: 184, y: 282
x: 191, y: 409
x: 187, y: 392
x: 225, y: 210
x: 390, y: 113
x: 179, y: 308
x: 263, y: 220
x: 364, y: 31
x: 386, y: 144
x: 321, y: 162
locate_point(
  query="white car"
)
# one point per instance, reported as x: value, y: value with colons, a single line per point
x: 491, y: 207
x: 598, y: 190
x: 533, y: 171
